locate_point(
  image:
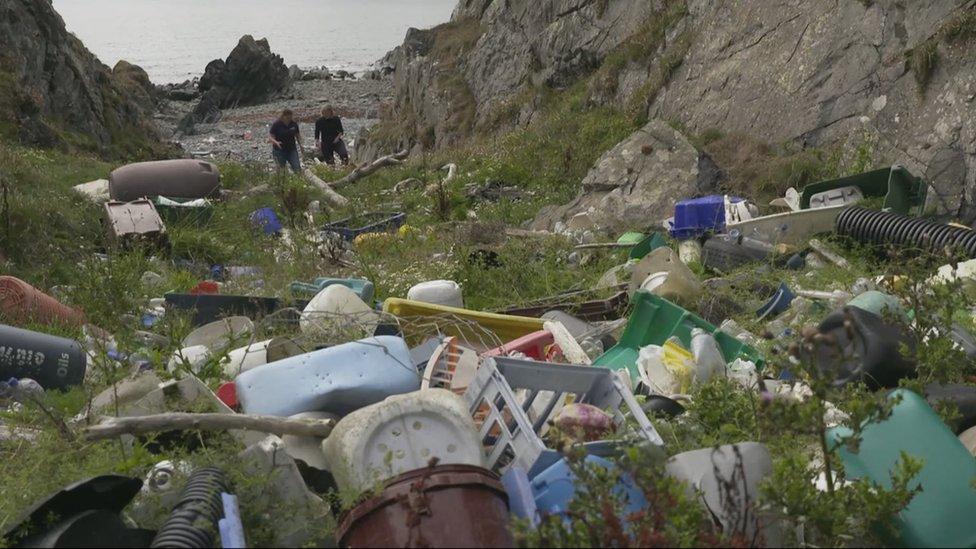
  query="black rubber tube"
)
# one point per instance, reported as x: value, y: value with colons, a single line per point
x: 193, y: 521
x: 876, y: 227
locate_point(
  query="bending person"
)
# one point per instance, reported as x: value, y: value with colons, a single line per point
x: 328, y: 137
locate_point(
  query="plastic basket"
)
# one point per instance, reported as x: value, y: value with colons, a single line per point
x: 512, y: 438
x: 373, y: 222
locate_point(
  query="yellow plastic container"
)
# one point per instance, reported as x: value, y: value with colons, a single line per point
x: 475, y: 327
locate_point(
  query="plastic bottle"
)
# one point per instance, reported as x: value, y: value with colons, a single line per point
x: 708, y: 357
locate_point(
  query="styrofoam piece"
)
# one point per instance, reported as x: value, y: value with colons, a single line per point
x: 96, y: 191
x: 337, y: 379
x: 438, y: 292
x: 338, y: 308
x: 402, y: 433
x: 571, y: 349
x: 308, y: 449
x: 218, y: 336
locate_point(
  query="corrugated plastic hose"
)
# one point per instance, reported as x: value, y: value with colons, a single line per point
x: 877, y: 227
x: 193, y: 522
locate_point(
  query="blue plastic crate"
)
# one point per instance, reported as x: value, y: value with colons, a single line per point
x: 373, y: 222
x: 698, y: 216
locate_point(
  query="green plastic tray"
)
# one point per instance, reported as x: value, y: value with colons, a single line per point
x: 903, y: 192
x: 942, y: 514
x: 653, y: 321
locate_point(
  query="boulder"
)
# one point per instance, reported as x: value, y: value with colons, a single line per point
x: 135, y: 81
x: 252, y: 75
x: 59, y: 91
x: 635, y: 184
x: 213, y: 75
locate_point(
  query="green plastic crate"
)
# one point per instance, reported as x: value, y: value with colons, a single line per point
x: 653, y: 321
x: 942, y: 514
x: 903, y: 192
x: 181, y: 210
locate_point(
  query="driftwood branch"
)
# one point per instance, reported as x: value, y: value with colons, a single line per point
x: 369, y: 169
x: 331, y: 196
x: 111, y: 427
x: 600, y: 245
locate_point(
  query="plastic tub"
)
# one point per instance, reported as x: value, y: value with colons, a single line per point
x: 653, y: 321
x: 373, y: 222
x: 402, y: 433
x: 172, y: 178
x: 443, y: 506
x: 54, y: 362
x: 337, y: 380
x: 903, y: 192
x: 506, y: 327
x: 697, y: 216
x: 22, y: 303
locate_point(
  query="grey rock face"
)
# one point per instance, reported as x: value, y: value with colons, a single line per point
x: 53, y: 77
x: 635, y: 185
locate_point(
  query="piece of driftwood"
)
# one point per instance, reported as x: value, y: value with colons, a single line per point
x: 111, y: 427
x: 331, y: 196
x: 599, y: 245
x: 369, y: 169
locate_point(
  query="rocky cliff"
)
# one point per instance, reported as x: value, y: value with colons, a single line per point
x: 55, y: 93
x: 895, y: 79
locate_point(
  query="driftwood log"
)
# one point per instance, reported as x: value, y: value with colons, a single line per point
x: 331, y: 196
x: 368, y: 169
x: 111, y: 427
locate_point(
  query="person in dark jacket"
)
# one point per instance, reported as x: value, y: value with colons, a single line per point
x: 328, y: 137
x: 286, y: 139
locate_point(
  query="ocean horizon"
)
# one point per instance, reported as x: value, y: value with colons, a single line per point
x: 173, y: 40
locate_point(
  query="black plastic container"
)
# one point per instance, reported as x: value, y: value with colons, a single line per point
x: 54, y: 362
x: 212, y: 307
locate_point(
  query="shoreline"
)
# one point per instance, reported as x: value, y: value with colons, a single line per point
x: 358, y: 102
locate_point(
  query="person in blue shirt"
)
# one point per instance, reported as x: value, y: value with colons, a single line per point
x: 286, y: 140
x: 328, y: 136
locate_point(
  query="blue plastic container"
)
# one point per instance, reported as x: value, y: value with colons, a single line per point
x: 555, y: 488
x: 337, y: 380
x: 363, y: 288
x: 373, y: 222
x: 698, y: 216
x: 267, y: 220
x: 777, y: 304
x: 521, y: 500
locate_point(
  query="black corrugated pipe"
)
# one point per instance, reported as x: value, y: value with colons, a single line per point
x: 193, y: 522
x: 877, y: 227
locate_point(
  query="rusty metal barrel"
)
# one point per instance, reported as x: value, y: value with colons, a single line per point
x: 170, y: 178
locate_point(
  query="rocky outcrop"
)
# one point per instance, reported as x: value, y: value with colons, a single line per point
x: 57, y: 94
x: 251, y: 75
x: 898, y: 78
x: 455, y: 77
x: 634, y: 185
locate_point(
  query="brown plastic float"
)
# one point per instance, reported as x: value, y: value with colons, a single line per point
x: 21, y: 303
x: 169, y: 178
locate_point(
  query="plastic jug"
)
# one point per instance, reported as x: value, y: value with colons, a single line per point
x: 402, y: 433
x: 708, y: 356
x: 257, y: 354
x: 338, y: 309
x: 337, y: 380
x: 438, y: 292
x: 662, y: 273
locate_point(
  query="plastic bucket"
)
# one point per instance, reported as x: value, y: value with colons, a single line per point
x: 444, y: 506
x: 20, y: 302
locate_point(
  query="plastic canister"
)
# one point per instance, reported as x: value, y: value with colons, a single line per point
x: 708, y: 356
x: 338, y: 308
x: 438, y: 292
x: 555, y: 488
x: 54, y: 362
x: 338, y: 379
